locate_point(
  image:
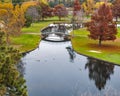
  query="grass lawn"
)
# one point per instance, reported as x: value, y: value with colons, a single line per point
x: 26, y: 42
x: 109, y: 51
x: 30, y: 36
x: 36, y: 27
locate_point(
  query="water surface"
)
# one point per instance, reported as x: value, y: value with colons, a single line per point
x: 53, y: 69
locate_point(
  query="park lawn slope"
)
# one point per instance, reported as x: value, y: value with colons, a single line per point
x: 36, y: 27
x: 26, y: 42
x: 109, y: 51
x: 30, y: 37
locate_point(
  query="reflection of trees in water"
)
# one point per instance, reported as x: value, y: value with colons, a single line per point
x: 12, y: 82
x: 109, y: 91
x: 71, y: 53
x: 99, y: 71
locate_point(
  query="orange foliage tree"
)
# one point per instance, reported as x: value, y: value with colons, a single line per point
x: 12, y: 19
x: 101, y: 26
x: 89, y: 6
x: 28, y: 4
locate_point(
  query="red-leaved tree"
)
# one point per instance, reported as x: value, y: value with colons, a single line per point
x: 116, y: 9
x: 60, y: 11
x: 101, y: 26
x: 77, y: 15
x: 44, y: 10
x: 77, y: 7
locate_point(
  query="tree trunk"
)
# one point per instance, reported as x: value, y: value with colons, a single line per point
x: 100, y: 40
x: 116, y: 19
x: 42, y: 18
x: 59, y: 18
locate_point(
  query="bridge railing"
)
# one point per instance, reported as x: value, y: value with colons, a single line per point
x: 52, y: 30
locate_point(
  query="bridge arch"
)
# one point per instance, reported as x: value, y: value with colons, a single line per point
x: 55, y: 31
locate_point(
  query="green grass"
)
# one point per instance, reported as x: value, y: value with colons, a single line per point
x: 110, y: 51
x: 118, y: 34
x: 29, y: 40
x: 30, y: 37
x: 26, y: 42
x: 36, y: 27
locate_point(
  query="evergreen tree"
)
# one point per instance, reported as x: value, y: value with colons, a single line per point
x: 12, y: 82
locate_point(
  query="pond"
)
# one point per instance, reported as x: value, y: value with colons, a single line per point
x: 55, y: 69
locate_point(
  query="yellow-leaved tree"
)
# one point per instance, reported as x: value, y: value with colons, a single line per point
x: 19, y: 20
x: 98, y: 4
x: 28, y: 4
x: 43, y: 1
x: 12, y: 19
x: 89, y: 6
x: 7, y: 18
x: 6, y: 1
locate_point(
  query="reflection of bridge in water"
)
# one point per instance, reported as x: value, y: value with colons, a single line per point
x: 55, y: 32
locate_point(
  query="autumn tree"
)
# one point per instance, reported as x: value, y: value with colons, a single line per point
x: 101, y: 26
x: 116, y: 1
x: 77, y: 7
x: 98, y: 4
x: 12, y: 18
x: 28, y: 4
x: 60, y: 11
x: 44, y: 10
x: 43, y: 1
x: 19, y: 20
x: 6, y: 15
x: 116, y: 9
x: 77, y: 15
x: 89, y: 6
x: 5, y: 1
x: 15, y: 2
